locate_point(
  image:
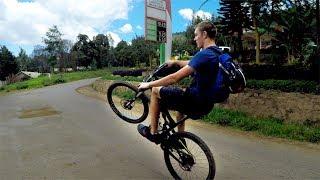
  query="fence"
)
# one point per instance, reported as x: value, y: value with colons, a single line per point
x: 2, y: 83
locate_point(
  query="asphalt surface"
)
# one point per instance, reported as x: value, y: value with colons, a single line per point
x: 57, y: 133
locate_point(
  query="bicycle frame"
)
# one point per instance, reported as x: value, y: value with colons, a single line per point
x: 169, y: 124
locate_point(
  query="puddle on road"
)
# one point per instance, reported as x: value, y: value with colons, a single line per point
x: 39, y: 112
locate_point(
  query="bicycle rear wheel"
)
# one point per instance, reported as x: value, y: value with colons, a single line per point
x: 123, y: 101
x: 188, y: 157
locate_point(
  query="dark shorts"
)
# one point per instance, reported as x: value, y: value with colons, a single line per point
x: 175, y: 98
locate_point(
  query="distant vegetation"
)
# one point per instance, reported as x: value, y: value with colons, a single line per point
x: 285, y: 29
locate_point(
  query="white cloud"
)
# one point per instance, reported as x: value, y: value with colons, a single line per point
x: 127, y: 28
x: 115, y: 37
x: 27, y: 22
x: 203, y: 14
x: 188, y: 14
x: 2, y: 12
x: 139, y: 27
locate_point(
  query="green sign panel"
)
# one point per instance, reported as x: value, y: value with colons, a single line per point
x: 156, y: 30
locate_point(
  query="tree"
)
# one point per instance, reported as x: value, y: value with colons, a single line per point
x: 142, y: 51
x: 101, y: 49
x: 54, y: 45
x: 8, y: 63
x: 40, y: 60
x: 123, y: 54
x: 293, y: 26
x: 234, y: 20
x: 23, y: 60
x: 318, y: 26
x: 83, y: 50
x: 66, y: 54
x: 179, y: 43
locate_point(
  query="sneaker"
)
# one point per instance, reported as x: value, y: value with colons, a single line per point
x: 145, y: 132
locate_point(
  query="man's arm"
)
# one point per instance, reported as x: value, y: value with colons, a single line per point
x: 178, y: 63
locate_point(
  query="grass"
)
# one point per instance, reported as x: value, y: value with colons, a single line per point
x: 43, y: 81
x: 265, y: 126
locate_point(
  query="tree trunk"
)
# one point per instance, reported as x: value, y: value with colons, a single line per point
x: 240, y: 43
x: 318, y: 26
x: 257, y: 35
x: 150, y: 61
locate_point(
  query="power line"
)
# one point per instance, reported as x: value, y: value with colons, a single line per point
x: 202, y: 4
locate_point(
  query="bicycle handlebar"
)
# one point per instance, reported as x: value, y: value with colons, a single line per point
x: 162, y: 66
x: 155, y: 72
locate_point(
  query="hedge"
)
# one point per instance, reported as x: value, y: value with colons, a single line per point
x: 133, y: 72
x: 293, y: 72
x: 285, y: 85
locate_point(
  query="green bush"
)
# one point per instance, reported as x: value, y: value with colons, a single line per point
x: 47, y: 82
x: 285, y: 85
x: 272, y: 71
x: 59, y: 80
x: 21, y: 86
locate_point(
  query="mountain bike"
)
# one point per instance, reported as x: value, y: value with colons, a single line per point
x: 185, y: 154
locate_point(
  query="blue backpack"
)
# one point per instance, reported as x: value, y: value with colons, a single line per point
x: 230, y: 73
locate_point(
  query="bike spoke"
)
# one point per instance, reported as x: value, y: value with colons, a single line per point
x: 124, y: 100
x: 200, y: 168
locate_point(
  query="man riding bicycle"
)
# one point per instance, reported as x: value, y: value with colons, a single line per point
x: 198, y: 99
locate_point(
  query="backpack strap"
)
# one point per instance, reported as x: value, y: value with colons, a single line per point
x: 219, y: 52
x: 215, y: 49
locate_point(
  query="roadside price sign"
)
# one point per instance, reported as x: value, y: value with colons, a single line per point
x: 155, y: 21
x: 156, y: 30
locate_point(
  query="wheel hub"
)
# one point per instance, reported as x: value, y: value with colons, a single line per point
x: 127, y: 104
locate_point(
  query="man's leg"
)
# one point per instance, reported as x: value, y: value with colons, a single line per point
x: 181, y: 127
x: 154, y: 109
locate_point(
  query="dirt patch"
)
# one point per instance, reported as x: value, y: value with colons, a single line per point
x: 39, y: 112
x: 291, y: 107
x: 90, y: 92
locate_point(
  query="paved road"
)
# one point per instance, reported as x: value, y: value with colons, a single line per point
x: 78, y: 137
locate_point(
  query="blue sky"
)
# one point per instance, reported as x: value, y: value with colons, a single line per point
x: 24, y: 22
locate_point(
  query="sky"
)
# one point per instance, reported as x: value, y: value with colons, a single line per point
x: 23, y: 23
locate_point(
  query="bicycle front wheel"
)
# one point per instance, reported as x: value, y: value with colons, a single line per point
x: 188, y: 157
x: 123, y: 101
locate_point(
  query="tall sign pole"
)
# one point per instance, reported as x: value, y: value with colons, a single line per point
x: 168, y: 45
x: 157, y: 13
